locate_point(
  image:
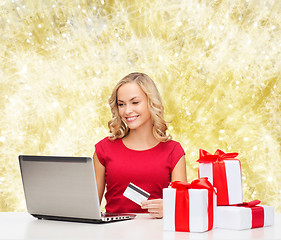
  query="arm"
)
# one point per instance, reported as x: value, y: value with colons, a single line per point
x: 155, y: 206
x: 179, y: 171
x: 100, y: 176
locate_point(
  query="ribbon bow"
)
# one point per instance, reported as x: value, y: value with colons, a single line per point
x: 248, y: 204
x: 200, y: 183
x: 205, y: 157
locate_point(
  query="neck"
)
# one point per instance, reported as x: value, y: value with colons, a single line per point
x: 138, y: 139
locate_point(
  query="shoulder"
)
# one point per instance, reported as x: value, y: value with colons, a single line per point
x: 106, y: 147
x: 106, y: 144
x: 174, y: 151
x: 173, y: 147
x: 171, y: 144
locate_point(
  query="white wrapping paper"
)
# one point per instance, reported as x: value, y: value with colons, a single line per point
x: 239, y: 218
x: 233, y: 178
x: 198, y: 209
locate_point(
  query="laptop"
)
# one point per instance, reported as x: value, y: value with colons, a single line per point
x: 63, y: 188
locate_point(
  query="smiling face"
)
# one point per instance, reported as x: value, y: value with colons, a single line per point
x: 133, y: 106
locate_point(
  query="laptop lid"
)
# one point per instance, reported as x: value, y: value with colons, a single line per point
x: 60, y: 186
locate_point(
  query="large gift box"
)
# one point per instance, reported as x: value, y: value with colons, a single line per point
x: 189, y: 207
x: 244, y: 216
x: 223, y: 170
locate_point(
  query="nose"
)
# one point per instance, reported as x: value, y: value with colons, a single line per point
x: 128, y: 109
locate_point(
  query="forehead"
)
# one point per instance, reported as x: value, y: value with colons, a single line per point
x: 130, y: 90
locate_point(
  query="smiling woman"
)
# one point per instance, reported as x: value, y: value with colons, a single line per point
x: 138, y: 149
x: 118, y: 127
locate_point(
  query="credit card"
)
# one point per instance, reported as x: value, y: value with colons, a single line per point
x: 136, y: 194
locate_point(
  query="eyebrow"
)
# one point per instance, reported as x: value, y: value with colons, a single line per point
x: 129, y: 100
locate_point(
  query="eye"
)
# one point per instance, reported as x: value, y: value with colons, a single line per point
x: 135, y: 102
x: 120, y: 104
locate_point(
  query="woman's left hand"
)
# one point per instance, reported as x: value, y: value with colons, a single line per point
x: 154, y: 207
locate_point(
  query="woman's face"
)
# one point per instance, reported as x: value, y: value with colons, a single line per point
x: 133, y: 106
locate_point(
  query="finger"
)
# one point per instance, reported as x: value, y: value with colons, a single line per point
x: 156, y: 214
x: 154, y: 206
x: 153, y: 201
x: 151, y: 206
x: 144, y: 204
x: 155, y: 211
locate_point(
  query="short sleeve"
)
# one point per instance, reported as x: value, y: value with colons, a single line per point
x: 176, y: 154
x: 100, y: 151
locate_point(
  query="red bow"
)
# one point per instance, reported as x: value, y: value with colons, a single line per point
x: 200, y: 183
x: 205, y: 157
x: 248, y: 204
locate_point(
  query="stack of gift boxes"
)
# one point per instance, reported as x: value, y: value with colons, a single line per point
x: 215, y: 199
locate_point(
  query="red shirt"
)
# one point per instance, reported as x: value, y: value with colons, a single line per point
x: 148, y: 169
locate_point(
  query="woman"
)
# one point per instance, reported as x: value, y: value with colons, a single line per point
x: 138, y: 149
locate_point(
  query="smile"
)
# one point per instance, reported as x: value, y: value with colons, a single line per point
x: 131, y: 119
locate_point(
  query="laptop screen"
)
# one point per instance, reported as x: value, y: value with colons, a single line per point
x: 60, y: 186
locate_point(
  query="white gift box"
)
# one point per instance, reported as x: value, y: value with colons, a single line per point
x: 233, y: 180
x: 239, y: 218
x: 198, y: 209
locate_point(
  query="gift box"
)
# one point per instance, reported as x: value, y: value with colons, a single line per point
x: 223, y: 170
x: 189, y: 207
x: 245, y: 216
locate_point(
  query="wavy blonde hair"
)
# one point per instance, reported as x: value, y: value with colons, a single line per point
x: 118, y: 128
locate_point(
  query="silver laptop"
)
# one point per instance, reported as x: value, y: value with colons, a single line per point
x: 63, y: 188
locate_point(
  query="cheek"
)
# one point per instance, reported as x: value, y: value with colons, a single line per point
x: 145, y: 110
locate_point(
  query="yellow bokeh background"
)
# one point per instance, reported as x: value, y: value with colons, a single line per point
x: 216, y: 63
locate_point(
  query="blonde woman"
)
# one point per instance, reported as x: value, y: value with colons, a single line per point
x: 138, y: 149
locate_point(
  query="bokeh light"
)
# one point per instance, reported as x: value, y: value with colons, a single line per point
x: 216, y: 63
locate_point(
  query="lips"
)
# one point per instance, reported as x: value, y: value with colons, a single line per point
x: 131, y: 119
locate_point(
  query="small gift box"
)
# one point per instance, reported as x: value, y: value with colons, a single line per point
x: 223, y: 170
x: 189, y: 207
x: 244, y: 216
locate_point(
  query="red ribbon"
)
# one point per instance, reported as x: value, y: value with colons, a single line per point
x: 219, y: 173
x: 205, y: 157
x: 257, y: 212
x: 182, y: 202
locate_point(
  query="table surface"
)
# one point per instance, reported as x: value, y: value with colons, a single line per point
x: 21, y: 225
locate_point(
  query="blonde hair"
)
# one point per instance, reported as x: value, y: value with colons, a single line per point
x: 118, y: 128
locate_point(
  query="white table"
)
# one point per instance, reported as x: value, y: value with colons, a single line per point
x: 24, y: 226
